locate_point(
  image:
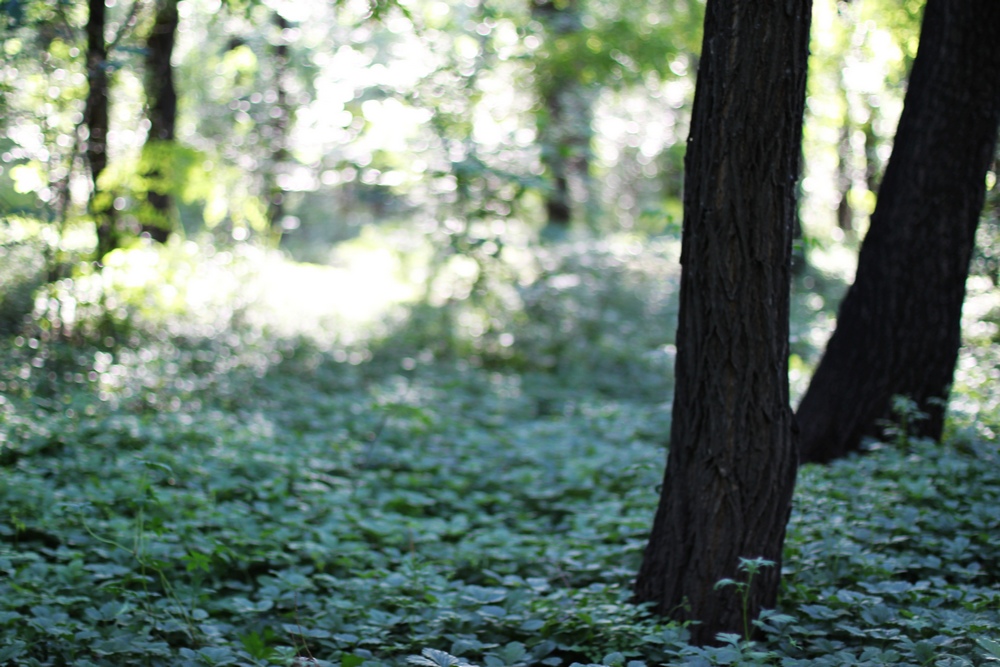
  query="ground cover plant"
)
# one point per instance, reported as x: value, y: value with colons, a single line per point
x: 199, y: 495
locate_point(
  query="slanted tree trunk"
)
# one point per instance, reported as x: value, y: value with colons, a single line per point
x: 95, y: 118
x: 898, y: 330
x: 731, y: 466
x: 161, y: 110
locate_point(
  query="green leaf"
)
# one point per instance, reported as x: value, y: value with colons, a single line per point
x: 722, y: 583
x: 433, y: 658
x: 257, y: 645
x: 217, y: 655
x: 13, y: 650
x: 615, y: 659
x: 351, y: 660
x: 991, y: 646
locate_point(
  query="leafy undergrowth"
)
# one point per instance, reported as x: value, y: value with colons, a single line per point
x: 360, y: 520
x: 238, y: 500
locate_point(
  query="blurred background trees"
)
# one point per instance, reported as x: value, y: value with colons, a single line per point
x: 306, y: 122
x: 270, y: 119
x: 161, y: 113
x: 465, y: 131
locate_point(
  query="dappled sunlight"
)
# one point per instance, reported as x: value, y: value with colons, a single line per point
x: 814, y: 300
x: 533, y: 306
x: 837, y: 260
x: 851, y: 112
x: 344, y: 333
x: 207, y: 288
x: 975, y: 401
x: 979, y: 309
x: 339, y: 303
x: 587, y: 312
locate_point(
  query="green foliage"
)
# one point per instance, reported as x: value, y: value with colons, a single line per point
x: 474, y: 486
x: 189, y: 494
x: 986, y: 257
x: 303, y: 519
x: 616, y: 44
x: 588, y: 314
x: 22, y: 274
x: 214, y: 193
x: 902, y: 567
x: 860, y: 56
x: 750, y: 566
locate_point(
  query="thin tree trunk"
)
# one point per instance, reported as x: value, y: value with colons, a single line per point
x: 280, y: 122
x: 872, y: 162
x: 161, y: 110
x: 96, y: 121
x: 845, y: 212
x: 731, y: 466
x: 899, y: 327
x: 564, y: 127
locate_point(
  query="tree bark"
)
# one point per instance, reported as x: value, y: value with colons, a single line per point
x: 161, y: 110
x: 95, y: 118
x: 280, y: 125
x: 845, y: 212
x: 564, y: 120
x: 732, y: 459
x: 899, y: 327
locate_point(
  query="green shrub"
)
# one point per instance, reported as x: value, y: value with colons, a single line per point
x: 22, y: 272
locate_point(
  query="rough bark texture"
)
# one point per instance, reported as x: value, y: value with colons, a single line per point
x: 898, y: 330
x: 161, y: 110
x: 731, y: 467
x: 96, y: 120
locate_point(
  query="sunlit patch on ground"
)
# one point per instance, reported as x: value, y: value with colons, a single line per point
x: 355, y: 295
x: 205, y: 288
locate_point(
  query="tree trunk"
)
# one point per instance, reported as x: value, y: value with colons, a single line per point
x: 873, y: 165
x: 845, y: 213
x: 898, y: 330
x: 96, y: 120
x: 280, y: 125
x: 731, y: 467
x: 161, y: 110
x: 564, y: 121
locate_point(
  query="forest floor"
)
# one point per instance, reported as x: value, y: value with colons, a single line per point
x: 471, y: 481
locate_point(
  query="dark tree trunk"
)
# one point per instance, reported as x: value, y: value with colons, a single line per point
x: 281, y: 120
x: 96, y: 120
x: 845, y: 213
x: 731, y: 467
x: 558, y: 211
x: 898, y: 330
x: 161, y: 110
x: 845, y: 151
x: 564, y: 127
x: 873, y: 165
